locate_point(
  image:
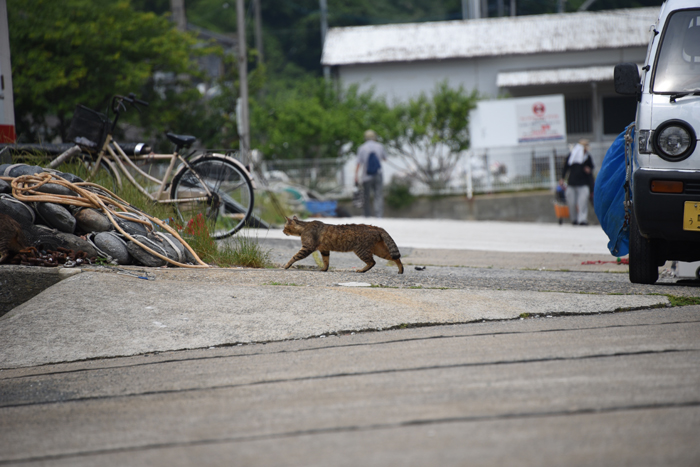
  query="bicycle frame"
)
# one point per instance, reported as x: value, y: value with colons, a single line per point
x: 119, y: 157
x: 212, y: 183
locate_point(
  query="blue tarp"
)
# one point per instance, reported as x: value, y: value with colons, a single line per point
x: 609, y: 197
x: 323, y: 208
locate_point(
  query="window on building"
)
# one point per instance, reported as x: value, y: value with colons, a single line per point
x: 578, y: 115
x: 618, y: 112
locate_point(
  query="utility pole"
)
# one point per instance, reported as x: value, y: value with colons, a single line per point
x: 324, y: 30
x: 177, y: 7
x: 242, y: 108
x: 258, y: 31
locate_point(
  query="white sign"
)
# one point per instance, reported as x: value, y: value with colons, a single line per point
x: 541, y: 120
x: 513, y: 122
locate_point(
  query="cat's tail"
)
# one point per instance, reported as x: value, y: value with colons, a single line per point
x: 391, y: 246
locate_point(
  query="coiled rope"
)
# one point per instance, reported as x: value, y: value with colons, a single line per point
x: 24, y: 188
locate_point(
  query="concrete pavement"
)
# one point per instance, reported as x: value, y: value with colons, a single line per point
x: 99, y: 313
x: 604, y: 390
x: 485, y: 357
x: 93, y: 314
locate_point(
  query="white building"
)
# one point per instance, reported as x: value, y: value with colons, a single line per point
x: 571, y: 54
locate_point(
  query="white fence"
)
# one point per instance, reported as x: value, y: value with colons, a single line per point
x: 478, y: 171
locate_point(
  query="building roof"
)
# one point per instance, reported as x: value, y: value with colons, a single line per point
x: 489, y: 37
x: 511, y: 79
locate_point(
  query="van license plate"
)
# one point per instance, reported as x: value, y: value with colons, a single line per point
x: 691, y: 216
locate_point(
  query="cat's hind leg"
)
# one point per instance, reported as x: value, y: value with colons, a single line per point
x: 303, y: 253
x: 367, y: 257
x: 326, y: 255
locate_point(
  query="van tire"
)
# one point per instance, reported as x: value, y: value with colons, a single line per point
x: 643, y: 261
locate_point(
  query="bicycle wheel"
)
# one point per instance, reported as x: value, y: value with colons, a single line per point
x: 228, y: 206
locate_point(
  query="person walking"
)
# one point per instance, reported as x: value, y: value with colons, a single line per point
x: 578, y: 168
x: 369, y: 172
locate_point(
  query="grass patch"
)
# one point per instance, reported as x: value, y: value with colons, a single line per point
x: 243, y: 250
x: 676, y: 300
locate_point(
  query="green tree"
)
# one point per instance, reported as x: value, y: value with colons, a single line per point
x: 314, y: 120
x: 430, y: 132
x: 84, y: 51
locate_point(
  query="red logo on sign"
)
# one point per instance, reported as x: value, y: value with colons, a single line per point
x: 538, y: 109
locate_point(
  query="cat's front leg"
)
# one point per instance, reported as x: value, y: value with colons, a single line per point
x: 326, y: 255
x: 303, y: 253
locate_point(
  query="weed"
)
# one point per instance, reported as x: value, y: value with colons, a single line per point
x: 243, y: 250
x: 676, y: 300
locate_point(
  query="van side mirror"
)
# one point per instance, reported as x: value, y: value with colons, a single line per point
x: 627, y: 80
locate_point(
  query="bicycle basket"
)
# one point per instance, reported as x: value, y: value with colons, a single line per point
x: 88, y: 124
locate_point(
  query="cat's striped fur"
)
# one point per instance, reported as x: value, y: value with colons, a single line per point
x: 364, y: 240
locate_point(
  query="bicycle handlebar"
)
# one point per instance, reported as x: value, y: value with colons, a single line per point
x: 117, y: 102
x: 137, y: 101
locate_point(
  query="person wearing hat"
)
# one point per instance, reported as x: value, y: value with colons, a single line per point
x: 369, y: 172
x: 578, y: 168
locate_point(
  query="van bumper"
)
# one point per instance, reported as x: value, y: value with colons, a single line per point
x: 660, y: 215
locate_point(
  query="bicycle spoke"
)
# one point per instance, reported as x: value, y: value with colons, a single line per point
x: 226, y: 189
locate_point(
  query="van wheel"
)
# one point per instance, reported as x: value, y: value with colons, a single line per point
x: 644, y: 267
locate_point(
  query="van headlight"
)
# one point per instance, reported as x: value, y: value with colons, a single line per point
x: 674, y: 140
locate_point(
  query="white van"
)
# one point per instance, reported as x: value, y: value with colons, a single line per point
x: 665, y: 192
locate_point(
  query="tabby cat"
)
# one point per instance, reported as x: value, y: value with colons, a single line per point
x: 364, y: 240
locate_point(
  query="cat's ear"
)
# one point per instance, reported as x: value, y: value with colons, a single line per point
x: 288, y: 219
x: 295, y: 218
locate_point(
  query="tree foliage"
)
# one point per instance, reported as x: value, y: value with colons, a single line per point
x: 84, y: 51
x: 431, y: 131
x: 314, y: 120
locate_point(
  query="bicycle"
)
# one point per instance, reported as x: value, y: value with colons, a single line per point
x: 215, y: 185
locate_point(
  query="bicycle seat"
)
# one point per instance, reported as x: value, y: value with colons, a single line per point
x: 181, y: 141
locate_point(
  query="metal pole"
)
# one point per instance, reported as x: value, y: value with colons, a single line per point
x: 475, y: 9
x: 465, y: 9
x: 553, y: 169
x: 324, y: 30
x: 243, y: 77
x: 595, y: 110
x: 513, y: 8
x: 258, y: 31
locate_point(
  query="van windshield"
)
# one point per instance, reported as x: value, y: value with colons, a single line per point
x: 678, y: 64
